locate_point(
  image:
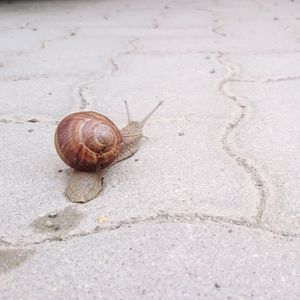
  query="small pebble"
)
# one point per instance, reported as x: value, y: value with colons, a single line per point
x: 56, y: 227
x: 58, y: 238
x: 212, y: 71
x: 49, y: 223
x: 59, y: 171
x: 33, y: 120
x: 181, y: 133
x: 136, y: 159
x: 102, y: 219
x: 52, y: 215
x: 30, y: 130
x: 217, y: 286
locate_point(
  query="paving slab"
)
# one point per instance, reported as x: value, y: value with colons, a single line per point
x: 157, y: 260
x: 273, y: 143
x: 27, y: 97
x: 208, y: 207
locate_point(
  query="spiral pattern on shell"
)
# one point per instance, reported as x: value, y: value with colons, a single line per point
x: 87, y: 141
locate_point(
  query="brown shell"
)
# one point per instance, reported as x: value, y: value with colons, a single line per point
x: 87, y: 141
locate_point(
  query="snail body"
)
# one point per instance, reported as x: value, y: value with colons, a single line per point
x: 90, y: 143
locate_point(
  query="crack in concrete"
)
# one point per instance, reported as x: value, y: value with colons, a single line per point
x: 155, y: 23
x: 37, y: 76
x: 184, y: 52
x: 15, y: 119
x: 21, y: 119
x: 132, y: 47
x: 159, y: 218
x: 5, y: 243
x: 266, y: 80
x: 84, y: 103
x: 288, y: 78
x: 81, y: 101
x: 132, y: 43
x: 259, y: 184
x: 216, y: 31
x: 114, y: 64
x: 24, y: 78
x: 72, y: 33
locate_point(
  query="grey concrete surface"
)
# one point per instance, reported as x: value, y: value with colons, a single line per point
x: 209, y: 206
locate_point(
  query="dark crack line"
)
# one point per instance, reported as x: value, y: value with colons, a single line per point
x: 288, y: 78
x: 187, y: 52
x: 132, y: 43
x: 71, y: 33
x: 183, y: 52
x: 114, y: 65
x: 266, y: 80
x: 5, y: 243
x: 84, y: 103
x: 15, y: 119
x: 161, y: 218
x: 37, y: 76
x: 133, y: 47
x: 242, y: 80
x: 229, y: 130
x: 24, y: 78
x: 215, y: 30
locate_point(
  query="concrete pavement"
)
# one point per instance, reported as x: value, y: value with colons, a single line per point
x: 209, y: 206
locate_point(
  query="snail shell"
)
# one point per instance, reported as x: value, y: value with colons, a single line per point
x: 87, y: 141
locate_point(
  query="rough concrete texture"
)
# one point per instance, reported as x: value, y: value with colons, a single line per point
x: 209, y: 206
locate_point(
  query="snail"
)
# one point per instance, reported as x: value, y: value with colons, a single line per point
x: 90, y: 143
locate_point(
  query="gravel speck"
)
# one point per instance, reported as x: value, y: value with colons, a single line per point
x: 33, y: 120
x: 56, y: 227
x: 52, y: 215
x: 49, y: 223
